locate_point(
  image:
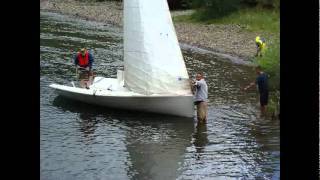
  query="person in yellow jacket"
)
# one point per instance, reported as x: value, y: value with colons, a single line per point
x: 261, y: 46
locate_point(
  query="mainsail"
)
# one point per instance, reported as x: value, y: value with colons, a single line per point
x: 153, y: 62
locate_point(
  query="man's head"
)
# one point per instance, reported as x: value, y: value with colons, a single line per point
x: 199, y: 76
x: 258, y: 69
x: 257, y: 39
x: 83, y: 51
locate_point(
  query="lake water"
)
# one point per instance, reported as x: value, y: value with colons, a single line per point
x: 84, y: 142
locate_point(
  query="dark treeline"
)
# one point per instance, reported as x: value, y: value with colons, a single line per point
x: 223, y: 4
x: 217, y: 6
x: 173, y: 4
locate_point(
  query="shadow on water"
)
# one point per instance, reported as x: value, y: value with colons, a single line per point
x: 74, y: 106
x: 155, y: 143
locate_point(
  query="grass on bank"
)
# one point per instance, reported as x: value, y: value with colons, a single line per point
x: 253, y: 19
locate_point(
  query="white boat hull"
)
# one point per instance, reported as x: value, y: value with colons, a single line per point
x: 101, y: 93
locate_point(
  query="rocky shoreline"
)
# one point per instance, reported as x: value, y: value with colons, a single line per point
x: 230, y: 40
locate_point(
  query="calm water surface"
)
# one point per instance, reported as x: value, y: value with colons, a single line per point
x: 84, y: 142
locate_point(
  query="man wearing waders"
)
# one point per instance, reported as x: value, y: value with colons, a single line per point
x: 262, y: 83
x: 201, y: 97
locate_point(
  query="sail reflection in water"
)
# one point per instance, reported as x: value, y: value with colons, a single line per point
x: 157, y: 147
x: 154, y: 145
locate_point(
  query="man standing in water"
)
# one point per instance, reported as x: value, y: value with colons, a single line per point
x: 262, y: 82
x: 83, y: 61
x: 201, y: 97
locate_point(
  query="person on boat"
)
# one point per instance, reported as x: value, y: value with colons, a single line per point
x: 201, y: 97
x: 261, y: 46
x: 83, y: 61
x: 262, y: 83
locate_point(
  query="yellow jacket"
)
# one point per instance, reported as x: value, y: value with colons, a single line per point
x: 261, y: 44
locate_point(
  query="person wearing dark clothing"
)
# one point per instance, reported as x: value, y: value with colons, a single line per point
x: 262, y: 83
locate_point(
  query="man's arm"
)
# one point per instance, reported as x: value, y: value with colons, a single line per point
x: 249, y: 86
x: 258, y: 48
x: 75, y: 60
x: 198, y: 83
x: 91, y: 59
x: 192, y: 85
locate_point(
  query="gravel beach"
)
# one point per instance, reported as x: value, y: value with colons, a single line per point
x: 227, y: 39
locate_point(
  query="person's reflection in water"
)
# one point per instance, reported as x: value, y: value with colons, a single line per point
x: 200, y: 138
x: 86, y: 118
x: 87, y: 124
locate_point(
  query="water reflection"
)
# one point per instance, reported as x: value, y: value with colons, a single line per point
x: 200, y: 138
x: 155, y: 144
x: 86, y: 118
x: 87, y: 124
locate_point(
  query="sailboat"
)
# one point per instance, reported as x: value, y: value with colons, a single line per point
x: 155, y: 78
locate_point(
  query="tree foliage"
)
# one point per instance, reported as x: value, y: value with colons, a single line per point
x: 179, y: 4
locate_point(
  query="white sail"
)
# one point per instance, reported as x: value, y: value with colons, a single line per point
x: 153, y: 62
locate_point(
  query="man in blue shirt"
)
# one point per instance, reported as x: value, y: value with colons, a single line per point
x: 262, y: 83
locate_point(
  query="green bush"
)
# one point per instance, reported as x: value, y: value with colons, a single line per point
x: 179, y: 4
x: 252, y: 19
x: 273, y: 107
x: 275, y: 4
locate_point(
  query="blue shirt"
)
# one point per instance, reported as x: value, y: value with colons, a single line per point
x: 90, y: 56
x: 262, y: 82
